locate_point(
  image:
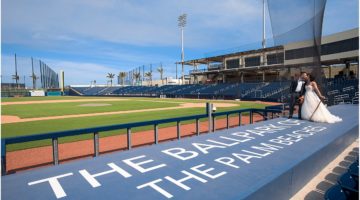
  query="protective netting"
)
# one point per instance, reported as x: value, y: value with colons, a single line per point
x: 300, y: 22
x: 30, y: 73
x: 147, y: 74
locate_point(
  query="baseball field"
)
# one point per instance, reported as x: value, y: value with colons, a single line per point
x: 36, y: 115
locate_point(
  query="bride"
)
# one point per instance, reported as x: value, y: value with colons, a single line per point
x: 312, y: 108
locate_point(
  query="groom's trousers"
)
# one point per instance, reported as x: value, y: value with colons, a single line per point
x: 294, y: 100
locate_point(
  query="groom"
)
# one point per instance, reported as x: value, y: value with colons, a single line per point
x: 297, y: 91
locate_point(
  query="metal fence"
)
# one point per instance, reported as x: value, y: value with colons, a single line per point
x: 96, y: 130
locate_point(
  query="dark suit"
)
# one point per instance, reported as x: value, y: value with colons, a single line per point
x: 294, y: 99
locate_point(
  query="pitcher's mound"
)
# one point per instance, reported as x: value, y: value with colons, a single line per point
x: 95, y: 104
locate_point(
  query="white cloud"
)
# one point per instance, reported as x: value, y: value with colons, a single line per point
x: 75, y: 72
x: 88, y: 38
x: 211, y: 23
x: 82, y: 73
x: 126, y: 22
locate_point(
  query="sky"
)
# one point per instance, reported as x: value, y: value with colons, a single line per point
x: 90, y: 38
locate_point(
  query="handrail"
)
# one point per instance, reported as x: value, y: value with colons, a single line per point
x: 28, y: 138
x: 128, y: 126
x: 246, y: 110
x: 277, y: 107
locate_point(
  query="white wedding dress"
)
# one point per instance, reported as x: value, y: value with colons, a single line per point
x: 311, y: 102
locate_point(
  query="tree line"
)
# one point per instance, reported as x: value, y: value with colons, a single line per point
x: 136, y: 76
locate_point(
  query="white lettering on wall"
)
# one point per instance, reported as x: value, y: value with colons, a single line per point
x: 188, y: 177
x: 153, y: 185
x: 91, y: 178
x: 205, y: 172
x: 138, y: 165
x: 181, y: 153
x: 55, y: 184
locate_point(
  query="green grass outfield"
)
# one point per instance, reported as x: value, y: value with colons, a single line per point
x: 37, y: 127
x: 18, y: 99
x: 71, y: 108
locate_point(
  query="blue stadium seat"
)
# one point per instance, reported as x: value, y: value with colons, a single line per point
x: 335, y: 193
x: 354, y: 171
x: 349, y: 185
x: 337, y: 90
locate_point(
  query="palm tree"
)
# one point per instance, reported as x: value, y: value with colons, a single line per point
x: 161, y: 71
x: 16, y: 78
x: 122, y: 76
x: 93, y: 83
x: 149, y: 76
x: 33, y: 75
x: 110, y: 76
x: 34, y: 78
x: 137, y: 76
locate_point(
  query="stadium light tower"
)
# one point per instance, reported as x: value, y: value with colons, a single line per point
x: 182, y: 23
x: 263, y: 39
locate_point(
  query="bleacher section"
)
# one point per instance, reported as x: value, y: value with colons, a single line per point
x: 338, y: 91
x: 342, y: 91
x: 347, y: 186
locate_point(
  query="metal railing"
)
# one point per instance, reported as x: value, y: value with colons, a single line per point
x: 333, y: 92
x: 340, y: 98
x: 128, y: 126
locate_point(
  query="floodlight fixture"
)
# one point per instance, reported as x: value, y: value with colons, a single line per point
x: 182, y: 24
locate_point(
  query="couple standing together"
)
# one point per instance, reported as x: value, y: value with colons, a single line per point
x: 306, y: 94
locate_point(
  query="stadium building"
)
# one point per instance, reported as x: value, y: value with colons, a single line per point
x: 339, y: 55
x: 258, y: 74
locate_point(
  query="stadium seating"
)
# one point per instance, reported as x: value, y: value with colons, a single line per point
x: 347, y: 186
x: 337, y: 91
x: 342, y: 91
x: 107, y: 90
x: 335, y: 193
x: 93, y: 90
